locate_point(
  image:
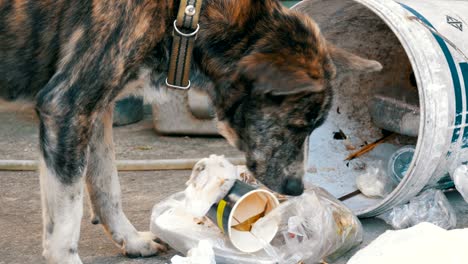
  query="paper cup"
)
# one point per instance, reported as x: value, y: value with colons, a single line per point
x: 239, y: 210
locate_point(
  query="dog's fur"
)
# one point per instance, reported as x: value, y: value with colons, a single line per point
x: 266, y: 69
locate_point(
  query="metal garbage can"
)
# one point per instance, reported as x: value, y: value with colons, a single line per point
x: 423, y: 46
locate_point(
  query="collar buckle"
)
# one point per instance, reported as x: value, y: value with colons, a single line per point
x: 187, y: 35
x: 177, y: 86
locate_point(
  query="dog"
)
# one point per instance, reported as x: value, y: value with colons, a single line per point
x: 267, y: 70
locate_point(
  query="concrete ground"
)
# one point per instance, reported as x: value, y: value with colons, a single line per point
x: 20, y: 214
x: 20, y: 205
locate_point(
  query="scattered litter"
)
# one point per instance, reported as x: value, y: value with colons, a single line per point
x: 424, y: 243
x: 340, y: 135
x: 368, y: 147
x: 239, y: 213
x: 313, y: 227
x: 349, y: 145
x: 210, y: 181
x: 431, y: 206
x: 375, y: 182
x: 460, y: 177
x: 385, y: 167
x: 400, y: 162
x: 349, y: 195
x: 398, y: 116
x: 202, y: 254
x: 359, y: 166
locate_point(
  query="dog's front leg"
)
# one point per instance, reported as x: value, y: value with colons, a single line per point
x: 64, y: 147
x: 104, y: 193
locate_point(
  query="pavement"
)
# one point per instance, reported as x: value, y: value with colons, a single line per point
x: 20, y: 205
x: 20, y: 213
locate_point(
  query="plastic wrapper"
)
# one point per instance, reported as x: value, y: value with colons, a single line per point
x: 313, y: 227
x: 375, y: 182
x: 460, y: 177
x: 431, y: 206
x: 202, y: 254
x: 209, y: 182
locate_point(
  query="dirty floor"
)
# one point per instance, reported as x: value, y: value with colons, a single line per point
x: 20, y: 215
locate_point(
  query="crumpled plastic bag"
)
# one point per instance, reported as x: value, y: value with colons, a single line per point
x: 313, y: 227
x: 375, y: 183
x: 430, y: 206
x: 460, y: 178
x: 202, y: 254
x: 211, y: 180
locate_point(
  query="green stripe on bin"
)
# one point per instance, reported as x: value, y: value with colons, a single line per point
x: 454, y: 72
x: 464, y: 70
x: 289, y: 4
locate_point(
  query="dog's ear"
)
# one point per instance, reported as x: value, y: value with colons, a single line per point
x: 346, y: 62
x: 266, y: 77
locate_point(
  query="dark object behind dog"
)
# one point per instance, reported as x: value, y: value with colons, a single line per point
x: 266, y: 69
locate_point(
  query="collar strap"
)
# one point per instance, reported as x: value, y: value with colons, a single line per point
x: 185, y: 32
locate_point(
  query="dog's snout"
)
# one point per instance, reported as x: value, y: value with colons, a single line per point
x: 293, y: 187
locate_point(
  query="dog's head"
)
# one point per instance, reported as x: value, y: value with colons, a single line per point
x: 272, y: 71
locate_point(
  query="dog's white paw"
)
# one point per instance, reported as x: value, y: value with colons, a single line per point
x: 142, y: 245
x: 62, y: 258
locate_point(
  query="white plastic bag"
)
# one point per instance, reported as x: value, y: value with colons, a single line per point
x: 431, y: 206
x: 313, y: 226
x: 210, y: 181
x: 460, y: 178
x: 202, y: 254
x: 375, y: 183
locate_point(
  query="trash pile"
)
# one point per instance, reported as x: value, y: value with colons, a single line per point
x: 389, y: 166
x: 431, y: 206
x: 387, y: 169
x: 313, y: 227
x: 225, y: 216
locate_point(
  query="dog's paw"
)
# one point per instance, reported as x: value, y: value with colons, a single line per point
x: 62, y: 258
x: 143, y: 245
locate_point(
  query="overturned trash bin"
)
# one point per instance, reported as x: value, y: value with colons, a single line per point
x: 420, y: 95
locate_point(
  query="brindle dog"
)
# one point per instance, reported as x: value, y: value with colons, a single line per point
x: 266, y: 69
